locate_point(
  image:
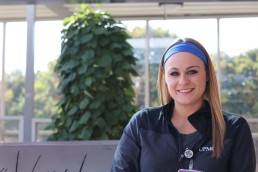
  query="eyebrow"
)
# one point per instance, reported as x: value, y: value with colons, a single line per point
x: 186, y: 68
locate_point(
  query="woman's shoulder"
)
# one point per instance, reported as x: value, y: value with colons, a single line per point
x: 148, y: 112
x: 234, y: 120
x: 238, y: 129
x: 147, y: 116
x: 233, y: 117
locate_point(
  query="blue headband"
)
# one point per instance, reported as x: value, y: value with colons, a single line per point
x: 185, y: 47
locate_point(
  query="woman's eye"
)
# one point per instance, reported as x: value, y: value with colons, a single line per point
x: 192, y: 72
x: 174, y: 73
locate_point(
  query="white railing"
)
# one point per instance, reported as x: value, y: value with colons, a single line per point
x: 38, y: 134
x: 15, y: 131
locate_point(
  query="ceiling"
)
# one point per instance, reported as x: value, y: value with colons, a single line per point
x: 136, y: 10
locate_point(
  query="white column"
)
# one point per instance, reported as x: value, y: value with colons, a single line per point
x: 218, y: 59
x: 29, y: 78
x: 147, y: 66
x: 2, y: 84
x: 2, y: 87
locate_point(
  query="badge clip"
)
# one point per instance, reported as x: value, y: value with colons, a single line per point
x: 188, y: 153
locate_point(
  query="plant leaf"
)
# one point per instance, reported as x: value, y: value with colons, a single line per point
x: 105, y: 61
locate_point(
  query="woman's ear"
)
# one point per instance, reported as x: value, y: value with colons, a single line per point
x: 207, y: 75
x: 207, y: 78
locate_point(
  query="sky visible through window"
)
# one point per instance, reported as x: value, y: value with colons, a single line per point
x: 237, y: 35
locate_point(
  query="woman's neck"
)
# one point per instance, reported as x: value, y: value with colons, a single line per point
x: 184, y: 111
x: 180, y: 117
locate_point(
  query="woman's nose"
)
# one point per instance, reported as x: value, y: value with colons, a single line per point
x: 183, y: 79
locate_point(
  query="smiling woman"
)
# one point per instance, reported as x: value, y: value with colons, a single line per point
x: 188, y: 132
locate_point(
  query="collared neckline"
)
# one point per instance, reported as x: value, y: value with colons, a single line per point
x: 200, y: 119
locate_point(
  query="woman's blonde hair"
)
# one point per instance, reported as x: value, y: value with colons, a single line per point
x: 211, y: 95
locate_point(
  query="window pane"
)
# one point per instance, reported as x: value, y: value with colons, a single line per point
x: 15, y: 64
x: 239, y: 45
x: 136, y: 29
x: 238, y: 35
x: 47, y: 50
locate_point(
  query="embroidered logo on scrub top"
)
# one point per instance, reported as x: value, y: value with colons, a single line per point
x: 206, y: 149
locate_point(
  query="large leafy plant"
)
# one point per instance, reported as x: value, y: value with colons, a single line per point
x: 95, y: 69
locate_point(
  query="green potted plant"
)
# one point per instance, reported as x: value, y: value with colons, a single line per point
x: 95, y: 69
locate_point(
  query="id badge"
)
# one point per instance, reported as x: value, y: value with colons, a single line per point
x: 185, y: 170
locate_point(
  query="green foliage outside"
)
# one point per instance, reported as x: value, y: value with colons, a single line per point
x: 14, y: 93
x: 95, y: 69
x: 159, y: 32
x: 240, y: 83
x: 45, y: 94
